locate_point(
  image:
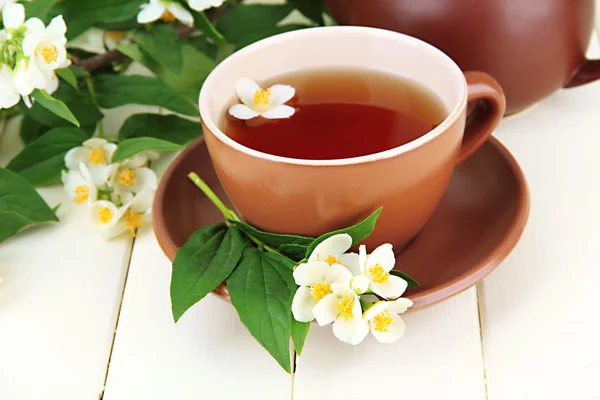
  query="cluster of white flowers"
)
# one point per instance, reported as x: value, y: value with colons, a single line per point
x: 343, y: 288
x: 119, y: 195
x: 30, y: 54
x: 169, y: 10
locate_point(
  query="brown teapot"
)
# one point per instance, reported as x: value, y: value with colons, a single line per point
x: 532, y: 47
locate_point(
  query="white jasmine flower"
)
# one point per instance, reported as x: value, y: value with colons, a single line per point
x: 201, y: 5
x: 79, y: 185
x: 128, y: 218
x: 13, y: 15
x: 375, y: 274
x: 9, y: 96
x: 46, y: 44
x: 342, y: 307
x: 5, y: 2
x: 91, y: 41
x: 385, y: 324
x: 114, y: 38
x: 29, y: 77
x: 167, y: 10
x: 268, y: 103
x: 315, y: 279
x: 95, y: 154
x: 122, y: 177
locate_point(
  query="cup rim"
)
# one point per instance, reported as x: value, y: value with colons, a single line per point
x: 452, y: 117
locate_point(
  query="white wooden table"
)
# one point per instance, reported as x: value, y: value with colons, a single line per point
x: 83, y: 319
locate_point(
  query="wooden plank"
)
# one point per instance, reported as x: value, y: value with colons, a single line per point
x: 61, y: 289
x: 438, y: 358
x: 540, y: 309
x: 207, y: 354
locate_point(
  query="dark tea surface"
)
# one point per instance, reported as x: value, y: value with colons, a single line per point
x: 341, y: 114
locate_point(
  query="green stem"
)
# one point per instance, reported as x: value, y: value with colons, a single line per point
x: 203, y: 24
x: 89, y: 82
x: 229, y: 214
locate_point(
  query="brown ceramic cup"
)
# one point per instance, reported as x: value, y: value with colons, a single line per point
x: 312, y: 197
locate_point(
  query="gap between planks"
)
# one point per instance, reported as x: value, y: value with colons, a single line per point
x: 480, y: 320
x: 116, y: 325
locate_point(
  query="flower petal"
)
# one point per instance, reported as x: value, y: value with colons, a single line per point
x: 145, y: 178
x: 400, y: 305
x: 394, y: 332
x: 150, y: 12
x: 342, y: 290
x: 393, y: 287
x: 245, y: 89
x: 94, y: 143
x: 279, y: 112
x: 281, y: 94
x: 179, y: 12
x: 34, y: 35
x: 303, y: 304
x: 326, y: 309
x: 375, y: 309
x: 350, y: 261
x: 55, y: 32
x: 8, y: 93
x: 13, y: 15
x: 51, y: 84
x: 336, y: 273
x: 350, y: 331
x: 307, y: 274
x: 241, y: 111
x: 142, y: 201
x: 360, y: 284
x: 98, y: 217
x: 362, y: 257
x: 384, y: 256
x: 201, y: 5
x: 75, y: 156
x: 335, y: 245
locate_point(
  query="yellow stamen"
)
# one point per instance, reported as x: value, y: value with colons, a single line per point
x: 332, y: 260
x: 345, y: 306
x: 320, y: 290
x: 105, y: 215
x: 378, y: 274
x: 115, y: 35
x: 382, y: 321
x: 82, y: 193
x: 133, y: 221
x: 262, y: 99
x: 167, y: 16
x: 96, y: 157
x: 127, y: 177
x: 49, y: 54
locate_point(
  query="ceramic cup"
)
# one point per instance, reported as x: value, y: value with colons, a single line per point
x: 312, y: 197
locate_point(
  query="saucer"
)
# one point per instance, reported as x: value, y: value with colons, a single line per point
x: 477, y: 224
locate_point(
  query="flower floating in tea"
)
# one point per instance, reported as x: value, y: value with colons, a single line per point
x: 267, y: 103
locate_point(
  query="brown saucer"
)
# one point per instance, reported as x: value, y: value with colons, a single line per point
x: 477, y: 224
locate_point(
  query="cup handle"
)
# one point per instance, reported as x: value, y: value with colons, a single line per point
x: 488, y: 102
x: 588, y: 72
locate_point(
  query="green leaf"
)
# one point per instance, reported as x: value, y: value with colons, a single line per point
x: 261, y: 289
x: 39, y: 8
x: 54, y: 105
x: 358, y: 232
x: 68, y: 76
x: 312, y: 9
x: 245, y: 20
x: 125, y: 25
x: 80, y: 104
x: 31, y: 130
x: 299, y: 332
x: 79, y: 72
x: 167, y: 127
x: 411, y: 281
x: 294, y: 251
x: 20, y: 205
x: 196, y: 67
x: 117, y: 90
x: 43, y: 159
x: 130, y: 147
x: 201, y: 44
x: 101, y: 10
x: 162, y: 44
x: 203, y: 263
x: 274, y: 240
